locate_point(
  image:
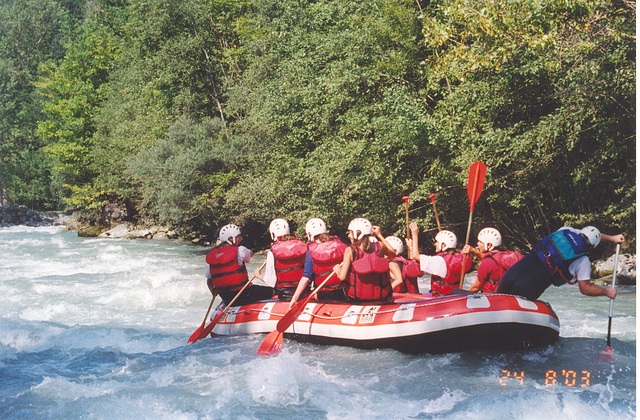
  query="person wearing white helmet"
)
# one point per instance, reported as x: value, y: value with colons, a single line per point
x: 404, y: 272
x: 494, y: 260
x: 444, y: 267
x: 227, y: 272
x: 562, y: 257
x: 364, y: 268
x: 324, y: 252
x: 285, y: 260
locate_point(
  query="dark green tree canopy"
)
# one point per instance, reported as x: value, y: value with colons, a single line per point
x: 197, y: 113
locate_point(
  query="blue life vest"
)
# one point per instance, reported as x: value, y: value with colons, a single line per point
x: 558, y: 250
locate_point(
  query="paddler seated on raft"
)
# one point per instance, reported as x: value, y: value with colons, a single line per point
x: 285, y: 260
x: 364, y: 268
x: 404, y: 272
x: 227, y: 272
x: 494, y: 260
x: 324, y: 252
x: 446, y: 266
x: 562, y: 257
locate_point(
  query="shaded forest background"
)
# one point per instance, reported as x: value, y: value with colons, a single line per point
x: 196, y: 113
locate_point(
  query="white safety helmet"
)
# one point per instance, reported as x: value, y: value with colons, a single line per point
x: 228, y: 233
x: 490, y: 236
x: 592, y: 234
x: 447, y: 238
x: 360, y: 227
x: 396, y: 243
x: 278, y: 228
x: 315, y: 227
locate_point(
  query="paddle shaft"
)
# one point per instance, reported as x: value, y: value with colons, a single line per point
x: 613, y: 284
x: 406, y: 209
x: 466, y: 242
x: 475, y: 184
x: 215, y: 321
x: 293, y: 313
x: 272, y: 343
x: 204, y: 321
x: 247, y: 284
x: 435, y: 211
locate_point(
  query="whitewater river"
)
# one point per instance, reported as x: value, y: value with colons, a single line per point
x: 97, y: 328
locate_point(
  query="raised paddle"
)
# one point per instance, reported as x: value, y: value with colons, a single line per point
x: 406, y: 199
x: 475, y: 184
x: 432, y: 197
x: 202, y: 332
x: 608, y: 350
x: 272, y: 343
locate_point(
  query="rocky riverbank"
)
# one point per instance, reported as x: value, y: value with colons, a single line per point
x: 113, y: 228
x: 21, y: 215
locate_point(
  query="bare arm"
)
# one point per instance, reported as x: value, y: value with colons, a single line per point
x: 616, y: 239
x: 301, y: 286
x: 342, y: 269
x: 387, y: 249
x: 468, y: 249
x: 396, y: 275
x: 415, y: 252
x: 477, y: 285
x: 589, y: 289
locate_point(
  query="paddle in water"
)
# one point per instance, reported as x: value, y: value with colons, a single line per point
x: 272, y: 343
x: 609, y: 350
x: 197, y: 333
x: 202, y: 332
x: 475, y: 184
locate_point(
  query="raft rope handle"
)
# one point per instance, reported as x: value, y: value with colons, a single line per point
x: 351, y: 314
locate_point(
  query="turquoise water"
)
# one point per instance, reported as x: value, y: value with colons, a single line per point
x: 97, y: 328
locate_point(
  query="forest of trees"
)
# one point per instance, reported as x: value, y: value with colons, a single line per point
x: 196, y: 113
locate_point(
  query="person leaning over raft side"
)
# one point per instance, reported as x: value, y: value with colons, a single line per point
x: 227, y: 271
x: 364, y: 269
x: 285, y: 260
x: 324, y: 252
x: 445, y: 267
x: 562, y: 257
x: 405, y: 275
x: 494, y: 260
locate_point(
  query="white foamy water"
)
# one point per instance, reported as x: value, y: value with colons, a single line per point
x: 97, y: 328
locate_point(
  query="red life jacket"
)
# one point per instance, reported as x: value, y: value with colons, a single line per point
x: 226, y: 274
x: 325, y: 256
x: 410, y: 273
x: 289, y: 262
x: 368, y: 277
x: 444, y: 286
x: 504, y: 259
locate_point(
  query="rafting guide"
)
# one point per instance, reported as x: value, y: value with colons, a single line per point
x: 562, y: 257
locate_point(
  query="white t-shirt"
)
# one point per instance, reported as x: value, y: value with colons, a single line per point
x: 433, y: 265
x: 581, y: 268
x: 270, y: 278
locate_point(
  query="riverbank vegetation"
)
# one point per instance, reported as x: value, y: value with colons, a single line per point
x: 195, y: 113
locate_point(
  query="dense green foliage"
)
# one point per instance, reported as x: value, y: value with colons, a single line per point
x: 196, y: 113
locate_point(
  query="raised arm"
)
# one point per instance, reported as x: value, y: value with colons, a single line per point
x: 415, y: 250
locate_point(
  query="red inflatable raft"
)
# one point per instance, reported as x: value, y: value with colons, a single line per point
x: 413, y: 323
